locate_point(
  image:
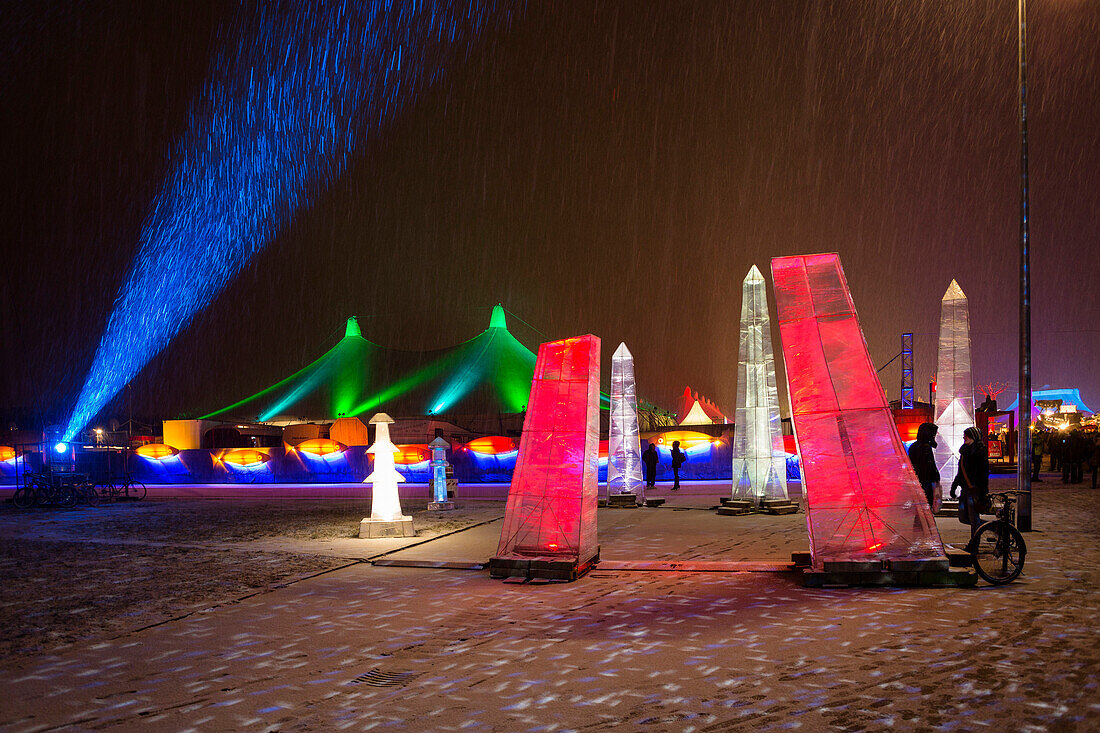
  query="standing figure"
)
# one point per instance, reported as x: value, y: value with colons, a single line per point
x: 973, y: 478
x: 923, y: 457
x: 649, y: 459
x: 678, y: 459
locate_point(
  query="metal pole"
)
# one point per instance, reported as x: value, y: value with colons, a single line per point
x: 1023, y: 430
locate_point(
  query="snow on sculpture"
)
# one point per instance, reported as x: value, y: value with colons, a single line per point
x: 759, y: 460
x: 386, y: 519
x: 550, y: 520
x: 864, y: 503
x: 954, y: 386
x: 624, y: 454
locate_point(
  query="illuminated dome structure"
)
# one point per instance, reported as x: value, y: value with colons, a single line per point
x: 489, y: 374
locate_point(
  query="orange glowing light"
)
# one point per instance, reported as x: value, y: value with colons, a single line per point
x: 872, y: 548
x: 7, y: 453
x: 321, y: 447
x: 491, y: 445
x: 246, y: 457
x: 156, y: 451
x: 688, y: 439
x: 411, y: 454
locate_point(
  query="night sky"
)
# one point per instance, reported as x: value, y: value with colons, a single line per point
x: 607, y: 168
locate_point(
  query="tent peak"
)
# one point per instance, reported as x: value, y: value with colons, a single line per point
x: 353, y: 328
x: 498, y: 320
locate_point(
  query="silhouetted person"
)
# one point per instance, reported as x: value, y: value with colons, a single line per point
x: 1057, y: 443
x: 973, y: 478
x: 678, y: 459
x: 1094, y: 458
x: 1038, y: 444
x: 649, y: 460
x: 923, y: 458
x: 1074, y: 452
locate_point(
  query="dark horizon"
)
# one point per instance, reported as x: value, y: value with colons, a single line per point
x: 597, y: 169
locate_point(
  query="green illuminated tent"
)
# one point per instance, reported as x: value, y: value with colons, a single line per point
x: 488, y: 375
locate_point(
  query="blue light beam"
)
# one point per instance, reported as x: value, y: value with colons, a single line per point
x: 299, y: 85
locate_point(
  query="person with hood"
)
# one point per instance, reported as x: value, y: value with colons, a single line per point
x: 923, y: 458
x: 973, y: 479
x: 678, y: 459
x: 649, y: 460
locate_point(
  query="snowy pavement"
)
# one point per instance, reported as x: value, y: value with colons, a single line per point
x: 301, y: 634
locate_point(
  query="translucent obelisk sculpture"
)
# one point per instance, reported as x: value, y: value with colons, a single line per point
x: 759, y: 461
x: 386, y: 519
x: 439, y: 448
x: 624, y: 448
x: 864, y: 505
x: 549, y: 527
x: 954, y: 385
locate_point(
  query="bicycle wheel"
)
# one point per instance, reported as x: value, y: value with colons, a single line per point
x: 999, y: 553
x: 135, y: 490
x: 90, y: 495
x: 24, y: 497
x: 66, y: 497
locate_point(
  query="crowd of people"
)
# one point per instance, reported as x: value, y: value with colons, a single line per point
x: 1071, y: 452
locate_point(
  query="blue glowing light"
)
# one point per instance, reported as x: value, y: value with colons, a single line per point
x: 61, y: 447
x: 295, y: 91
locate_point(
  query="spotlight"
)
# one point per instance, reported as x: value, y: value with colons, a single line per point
x: 61, y: 447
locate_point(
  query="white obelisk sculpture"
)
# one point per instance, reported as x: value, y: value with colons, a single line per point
x: 386, y: 519
x: 624, y: 449
x: 759, y: 461
x: 954, y: 385
x: 439, y: 501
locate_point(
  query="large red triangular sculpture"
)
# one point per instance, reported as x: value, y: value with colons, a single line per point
x: 864, y: 501
x: 550, y: 520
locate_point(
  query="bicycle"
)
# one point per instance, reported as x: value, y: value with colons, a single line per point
x: 998, y: 547
x: 128, y: 488
x: 42, y: 490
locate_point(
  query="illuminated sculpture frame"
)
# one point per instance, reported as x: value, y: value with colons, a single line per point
x: 759, y: 460
x: 624, y: 451
x: 549, y: 526
x: 386, y: 519
x: 954, y: 385
x: 864, y: 504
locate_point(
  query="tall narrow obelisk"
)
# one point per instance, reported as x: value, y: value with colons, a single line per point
x: 624, y: 450
x: 954, y: 385
x: 759, y: 461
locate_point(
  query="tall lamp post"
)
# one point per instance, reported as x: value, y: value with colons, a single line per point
x: 1023, y: 453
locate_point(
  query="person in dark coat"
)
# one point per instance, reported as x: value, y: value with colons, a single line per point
x: 923, y: 458
x: 678, y: 459
x: 1057, y: 441
x: 1094, y: 458
x: 649, y: 460
x: 973, y: 479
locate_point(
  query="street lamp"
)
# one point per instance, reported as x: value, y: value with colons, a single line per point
x: 1023, y: 453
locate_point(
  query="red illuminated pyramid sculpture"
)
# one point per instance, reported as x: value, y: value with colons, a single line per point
x: 549, y: 527
x: 867, y: 514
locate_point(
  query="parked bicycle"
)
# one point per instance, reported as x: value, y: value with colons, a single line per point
x: 124, y: 488
x: 999, y: 548
x: 44, y: 490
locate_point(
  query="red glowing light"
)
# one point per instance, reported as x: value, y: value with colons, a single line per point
x: 156, y: 451
x: 862, y: 494
x: 552, y: 500
x: 246, y: 457
x: 412, y: 454
x: 320, y: 447
x: 491, y: 445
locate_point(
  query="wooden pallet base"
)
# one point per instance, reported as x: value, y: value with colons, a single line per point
x: 547, y: 568
x: 910, y: 573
